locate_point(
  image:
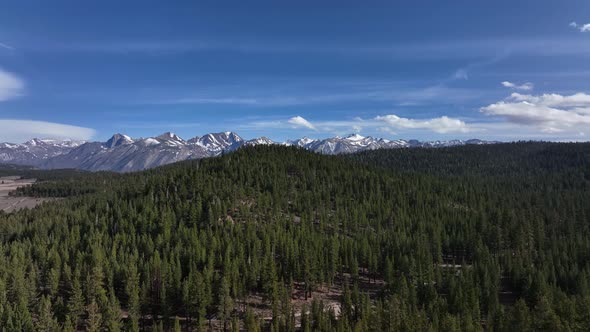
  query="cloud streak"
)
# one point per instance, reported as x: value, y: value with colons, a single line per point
x: 525, y: 86
x: 433, y: 49
x: 394, y: 92
x: 6, y: 46
x: 11, y: 86
x: 15, y: 131
x: 299, y: 122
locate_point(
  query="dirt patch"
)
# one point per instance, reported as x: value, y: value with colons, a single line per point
x: 12, y: 203
x: 329, y: 295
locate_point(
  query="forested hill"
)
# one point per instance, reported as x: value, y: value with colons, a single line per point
x: 278, y: 238
x: 510, y: 159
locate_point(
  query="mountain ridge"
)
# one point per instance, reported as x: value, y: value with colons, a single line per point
x: 122, y: 153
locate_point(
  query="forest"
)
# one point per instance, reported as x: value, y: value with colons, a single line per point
x: 274, y: 238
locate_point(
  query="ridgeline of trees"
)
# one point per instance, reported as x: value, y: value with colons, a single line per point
x: 461, y: 239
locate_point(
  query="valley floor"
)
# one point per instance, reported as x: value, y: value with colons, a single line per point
x: 13, y: 203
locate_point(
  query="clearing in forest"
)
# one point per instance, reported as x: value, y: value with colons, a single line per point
x: 12, y: 203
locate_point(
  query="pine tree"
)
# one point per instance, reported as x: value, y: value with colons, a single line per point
x: 251, y: 323
x: 521, y: 317
x: 226, y: 304
x: 68, y: 326
x: 46, y: 321
x: 305, y: 320
x: 94, y: 321
x: 112, y: 313
x: 133, y: 303
x: 76, y: 301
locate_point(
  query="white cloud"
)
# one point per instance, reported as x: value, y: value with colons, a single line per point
x: 11, y: 86
x: 555, y: 100
x: 389, y: 124
x: 582, y: 27
x: 550, y: 113
x: 526, y: 86
x: 515, y: 120
x: 17, y: 131
x: 441, y: 125
x: 299, y: 122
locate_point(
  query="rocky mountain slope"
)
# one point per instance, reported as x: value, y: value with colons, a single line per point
x: 122, y: 153
x: 35, y: 152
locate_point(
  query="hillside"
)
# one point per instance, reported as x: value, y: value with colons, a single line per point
x: 493, y: 237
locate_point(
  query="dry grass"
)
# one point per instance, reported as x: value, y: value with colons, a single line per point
x: 12, y: 203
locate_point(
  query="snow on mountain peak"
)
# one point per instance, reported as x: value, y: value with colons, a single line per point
x: 218, y: 141
x: 354, y: 137
x: 260, y: 141
x: 33, y: 142
x: 150, y: 141
x: 169, y: 147
x: 118, y: 139
x: 170, y: 136
x: 52, y: 142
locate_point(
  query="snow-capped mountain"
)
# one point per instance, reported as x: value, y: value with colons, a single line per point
x: 35, y: 151
x: 218, y: 142
x: 259, y: 141
x: 122, y: 153
x: 118, y: 139
x: 302, y: 142
x: 350, y: 144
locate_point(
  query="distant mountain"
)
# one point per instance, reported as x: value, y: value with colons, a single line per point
x: 122, y: 153
x: 355, y: 142
x: 218, y: 142
x: 35, y: 152
x: 117, y: 140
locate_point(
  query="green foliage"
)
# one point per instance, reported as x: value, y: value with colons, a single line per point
x: 478, y: 237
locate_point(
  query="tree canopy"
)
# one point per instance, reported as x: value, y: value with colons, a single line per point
x: 472, y: 238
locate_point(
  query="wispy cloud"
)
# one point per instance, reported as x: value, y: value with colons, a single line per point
x: 581, y: 27
x: 11, y: 86
x: 264, y: 94
x: 22, y: 130
x: 299, y: 122
x: 6, y: 46
x: 525, y: 86
x: 463, y: 72
x: 434, y: 49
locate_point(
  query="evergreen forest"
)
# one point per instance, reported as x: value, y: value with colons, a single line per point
x: 273, y: 238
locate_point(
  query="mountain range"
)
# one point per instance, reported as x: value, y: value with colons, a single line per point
x: 122, y: 153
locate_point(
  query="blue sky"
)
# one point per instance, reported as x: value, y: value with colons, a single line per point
x: 502, y: 70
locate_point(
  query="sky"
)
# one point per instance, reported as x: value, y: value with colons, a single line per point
x: 429, y: 70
